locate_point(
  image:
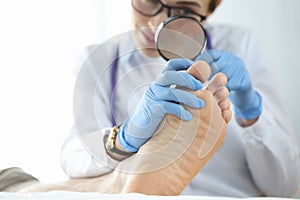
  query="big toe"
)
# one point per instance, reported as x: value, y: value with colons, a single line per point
x: 200, y: 70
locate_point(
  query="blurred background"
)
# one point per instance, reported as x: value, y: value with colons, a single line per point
x: 39, y: 44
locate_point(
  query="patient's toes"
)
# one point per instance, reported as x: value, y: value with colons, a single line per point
x: 218, y: 81
x: 221, y: 94
x: 200, y: 70
x: 225, y: 108
x: 225, y: 104
x: 227, y: 114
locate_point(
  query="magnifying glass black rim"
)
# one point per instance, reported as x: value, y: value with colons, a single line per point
x: 168, y: 20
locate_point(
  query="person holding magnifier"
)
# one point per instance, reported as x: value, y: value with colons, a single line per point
x: 130, y: 94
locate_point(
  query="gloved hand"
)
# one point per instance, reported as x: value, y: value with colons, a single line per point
x: 158, y: 100
x: 247, y: 102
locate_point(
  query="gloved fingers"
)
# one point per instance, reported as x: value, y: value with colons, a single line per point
x: 218, y: 61
x: 233, y: 67
x: 182, y: 79
x: 234, y: 78
x: 205, y: 56
x: 247, y: 103
x: 216, y: 54
x: 178, y: 64
x: 225, y: 62
x: 177, y: 95
x: 240, y: 80
x: 176, y: 109
x: 227, y: 67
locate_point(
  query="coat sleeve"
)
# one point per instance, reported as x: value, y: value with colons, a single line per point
x: 272, y: 150
x: 78, y: 162
x: 83, y: 153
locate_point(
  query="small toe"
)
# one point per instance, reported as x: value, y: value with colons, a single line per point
x: 224, y: 105
x: 221, y: 94
x: 227, y: 115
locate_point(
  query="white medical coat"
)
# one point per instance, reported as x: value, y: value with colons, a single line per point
x: 262, y: 159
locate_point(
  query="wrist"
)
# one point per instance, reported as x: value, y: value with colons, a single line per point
x: 123, y: 142
x: 245, y: 122
x: 113, y: 147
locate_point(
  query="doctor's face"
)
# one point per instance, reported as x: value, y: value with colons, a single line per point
x: 148, y: 14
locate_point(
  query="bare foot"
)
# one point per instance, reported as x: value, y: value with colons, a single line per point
x: 169, y: 161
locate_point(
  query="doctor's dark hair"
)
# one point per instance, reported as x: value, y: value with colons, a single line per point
x: 212, y: 6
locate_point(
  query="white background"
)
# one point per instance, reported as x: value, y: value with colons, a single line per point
x: 39, y: 41
x: 38, y: 47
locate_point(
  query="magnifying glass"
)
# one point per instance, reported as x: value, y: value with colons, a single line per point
x: 180, y: 37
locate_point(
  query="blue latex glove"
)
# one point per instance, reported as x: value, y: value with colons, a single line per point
x: 247, y: 102
x: 158, y: 100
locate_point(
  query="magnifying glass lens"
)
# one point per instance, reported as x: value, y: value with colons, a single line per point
x: 180, y: 37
